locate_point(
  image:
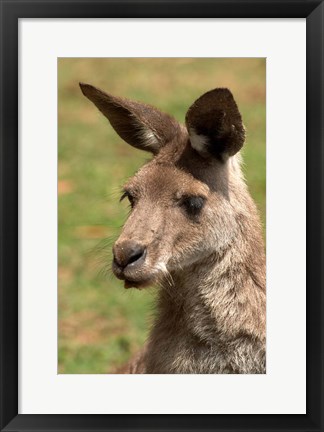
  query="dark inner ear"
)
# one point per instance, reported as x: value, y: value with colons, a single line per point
x: 124, y: 124
x: 215, y: 124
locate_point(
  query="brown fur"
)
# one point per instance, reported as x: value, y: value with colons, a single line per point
x: 194, y: 231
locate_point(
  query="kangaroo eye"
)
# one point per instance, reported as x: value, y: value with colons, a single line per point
x: 129, y: 196
x: 193, y: 204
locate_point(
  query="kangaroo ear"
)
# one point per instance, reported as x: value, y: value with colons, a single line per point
x: 215, y: 125
x: 140, y: 125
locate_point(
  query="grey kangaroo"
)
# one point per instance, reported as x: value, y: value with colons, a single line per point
x: 194, y: 231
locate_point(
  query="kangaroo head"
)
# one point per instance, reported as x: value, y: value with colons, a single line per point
x: 181, y: 201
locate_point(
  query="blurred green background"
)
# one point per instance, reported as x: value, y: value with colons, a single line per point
x: 100, y: 323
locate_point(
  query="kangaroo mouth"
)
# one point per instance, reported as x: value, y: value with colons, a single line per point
x: 131, y: 279
x: 136, y: 275
x: 128, y: 283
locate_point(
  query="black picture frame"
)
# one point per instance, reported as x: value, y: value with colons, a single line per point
x: 11, y: 12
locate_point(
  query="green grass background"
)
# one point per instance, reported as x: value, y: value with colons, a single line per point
x: 100, y: 323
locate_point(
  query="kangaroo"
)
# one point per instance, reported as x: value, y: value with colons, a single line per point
x: 194, y: 231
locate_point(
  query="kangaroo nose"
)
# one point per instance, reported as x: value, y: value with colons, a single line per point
x: 128, y: 252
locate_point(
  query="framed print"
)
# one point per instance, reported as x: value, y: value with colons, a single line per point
x: 155, y: 104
